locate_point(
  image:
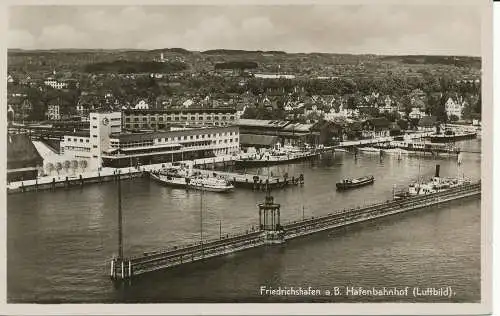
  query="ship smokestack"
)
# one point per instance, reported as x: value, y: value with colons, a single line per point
x: 437, y: 171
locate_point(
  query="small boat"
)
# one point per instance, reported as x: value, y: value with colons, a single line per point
x: 355, y: 183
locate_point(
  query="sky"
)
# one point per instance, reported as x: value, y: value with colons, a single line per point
x: 358, y: 29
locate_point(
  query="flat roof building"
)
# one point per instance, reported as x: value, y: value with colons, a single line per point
x: 158, y: 119
x: 107, y: 145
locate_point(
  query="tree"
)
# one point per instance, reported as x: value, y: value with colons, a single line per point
x: 478, y: 107
x: 403, y: 124
x: 67, y: 165
x: 453, y: 118
x: 74, y: 165
x: 59, y: 166
x: 49, y: 167
x: 392, y: 116
x: 250, y: 113
x: 83, y: 164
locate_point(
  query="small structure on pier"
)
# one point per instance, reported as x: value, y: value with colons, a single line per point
x: 121, y: 269
x: 269, y: 221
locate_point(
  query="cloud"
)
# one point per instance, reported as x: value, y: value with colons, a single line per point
x: 63, y: 36
x: 20, y: 39
x: 327, y: 28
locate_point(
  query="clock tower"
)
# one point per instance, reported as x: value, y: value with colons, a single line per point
x: 102, y: 125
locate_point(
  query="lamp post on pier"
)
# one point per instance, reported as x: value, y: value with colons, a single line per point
x: 201, y: 218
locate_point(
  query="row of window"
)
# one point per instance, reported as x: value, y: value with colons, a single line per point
x: 202, y: 136
x: 112, y: 119
x: 176, y: 118
x: 157, y: 150
x: 186, y: 144
x: 146, y: 125
x: 76, y: 148
x: 183, y: 115
x: 69, y: 139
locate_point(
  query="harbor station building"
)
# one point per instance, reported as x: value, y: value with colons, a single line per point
x: 108, y: 144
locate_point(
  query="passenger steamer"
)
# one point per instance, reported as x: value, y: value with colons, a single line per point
x: 278, y: 155
x: 434, y: 185
x: 452, y: 136
x: 413, y: 148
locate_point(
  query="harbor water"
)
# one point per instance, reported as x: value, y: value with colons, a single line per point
x: 60, y: 242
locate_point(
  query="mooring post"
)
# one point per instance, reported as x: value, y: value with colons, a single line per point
x: 123, y: 270
x: 129, y: 269
x: 112, y: 273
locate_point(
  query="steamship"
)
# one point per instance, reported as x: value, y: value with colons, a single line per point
x: 434, y: 185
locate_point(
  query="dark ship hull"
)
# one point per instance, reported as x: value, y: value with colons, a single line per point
x: 355, y: 183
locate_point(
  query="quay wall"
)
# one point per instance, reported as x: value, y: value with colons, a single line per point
x: 104, y: 175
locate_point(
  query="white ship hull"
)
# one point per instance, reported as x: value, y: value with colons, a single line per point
x: 211, y: 188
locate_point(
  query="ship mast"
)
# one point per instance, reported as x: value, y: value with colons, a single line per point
x: 418, y: 172
x: 201, y: 217
x: 120, y: 224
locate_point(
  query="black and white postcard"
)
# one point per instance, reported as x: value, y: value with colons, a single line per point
x: 323, y: 154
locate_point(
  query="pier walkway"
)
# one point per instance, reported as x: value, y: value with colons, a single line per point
x: 272, y: 232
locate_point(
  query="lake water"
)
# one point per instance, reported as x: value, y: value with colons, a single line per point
x: 59, y: 243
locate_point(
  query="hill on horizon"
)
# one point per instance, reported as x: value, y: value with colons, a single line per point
x: 224, y: 52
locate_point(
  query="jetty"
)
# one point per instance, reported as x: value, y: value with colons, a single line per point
x: 270, y: 231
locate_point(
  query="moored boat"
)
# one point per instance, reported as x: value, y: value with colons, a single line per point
x: 169, y: 179
x: 346, y: 184
x: 275, y: 156
x: 452, y: 136
x: 185, y: 179
x: 210, y: 184
x: 434, y: 185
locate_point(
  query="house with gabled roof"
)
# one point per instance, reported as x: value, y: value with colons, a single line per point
x: 376, y: 127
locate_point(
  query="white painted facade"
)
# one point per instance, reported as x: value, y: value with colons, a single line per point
x: 53, y: 112
x: 77, y: 147
x: 142, y: 105
x: 274, y: 76
x: 55, y: 84
x: 416, y: 113
x: 342, y: 113
x: 102, y: 125
x: 454, y: 107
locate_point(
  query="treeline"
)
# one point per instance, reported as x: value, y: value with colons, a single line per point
x: 237, y: 65
x: 124, y: 67
x: 390, y: 85
x: 458, y: 61
x: 240, y: 51
x: 172, y: 50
